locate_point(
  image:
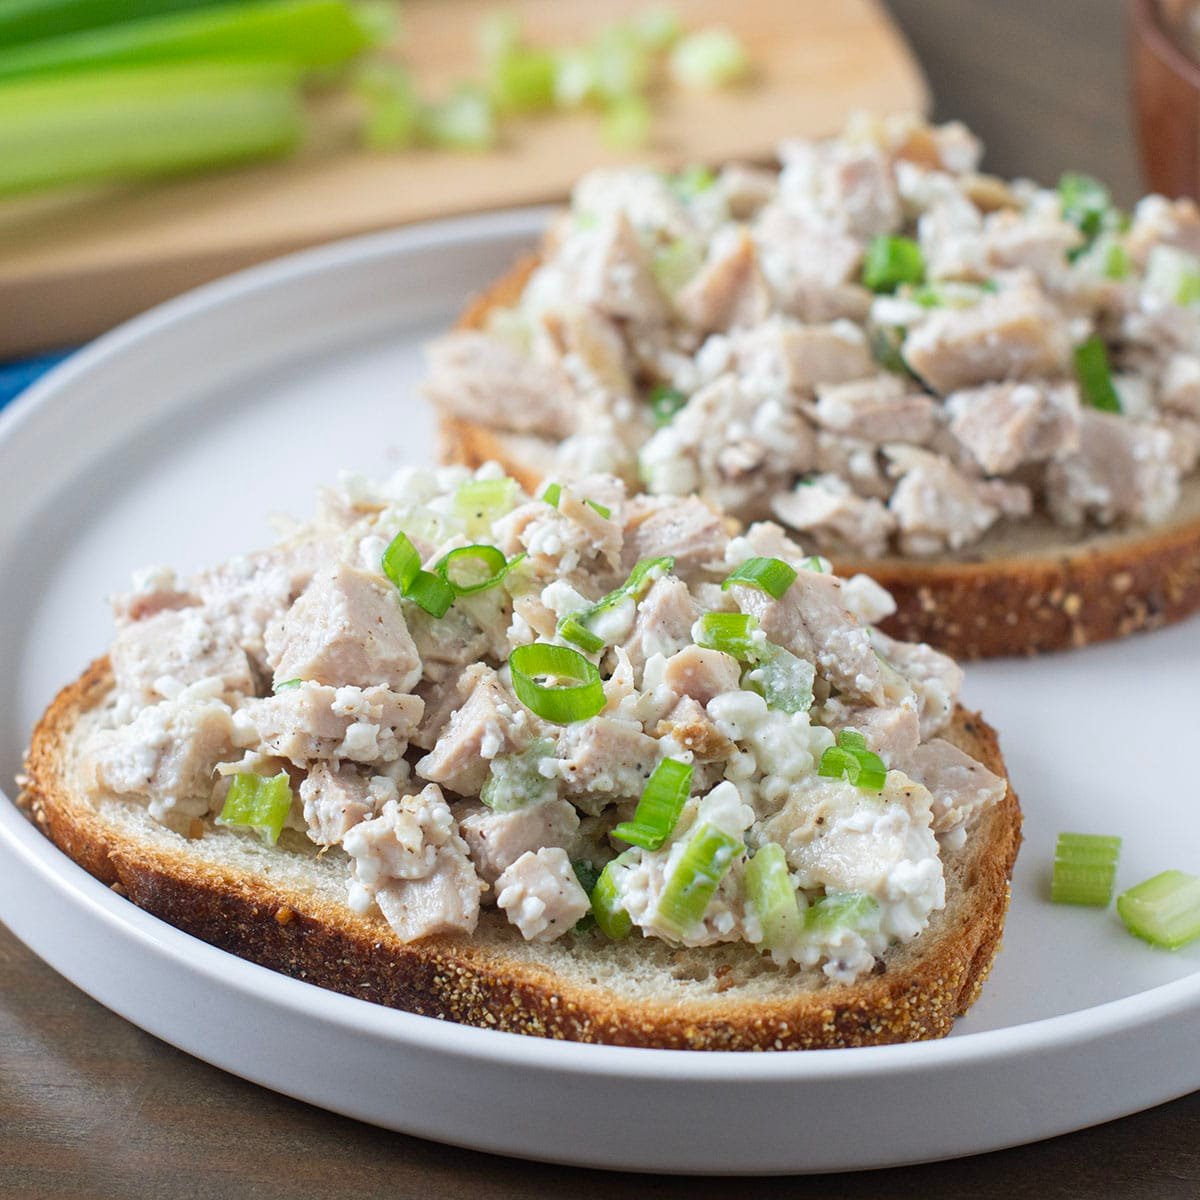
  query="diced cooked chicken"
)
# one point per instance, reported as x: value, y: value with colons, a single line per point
x: 729, y: 289
x: 615, y: 275
x: 1006, y: 424
x: 663, y: 625
x: 855, y: 460
x: 1015, y: 334
x: 1158, y: 221
x: 745, y: 189
x: 960, y: 786
x: 1180, y: 389
x: 693, y: 730
x: 347, y: 627
x: 1122, y: 469
x: 939, y: 508
x: 481, y: 378
x: 812, y: 271
x: 811, y: 620
x: 835, y: 516
x: 243, y: 596
x: 313, y: 721
x: 839, y: 839
x: 785, y: 355
x: 498, y: 839
x: 491, y: 722
x: 562, y: 540
x: 445, y: 645
x: 441, y: 699
x: 154, y: 590
x: 604, y: 759
x: 155, y: 657
x: 878, y: 409
x: 685, y: 529
x: 335, y: 800
x: 541, y: 896
x: 892, y: 731
x: 701, y: 674
x: 590, y: 349
x: 763, y: 442
x: 867, y: 600
x: 935, y: 678
x: 842, y: 185
x: 412, y: 863
x: 1012, y: 240
x: 166, y: 755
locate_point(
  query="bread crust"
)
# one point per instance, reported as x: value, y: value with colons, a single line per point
x: 483, y: 982
x: 1061, y: 596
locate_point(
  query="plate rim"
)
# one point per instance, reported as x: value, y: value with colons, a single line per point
x: 354, y: 1015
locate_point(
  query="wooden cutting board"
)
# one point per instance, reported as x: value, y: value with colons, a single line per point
x: 73, y: 266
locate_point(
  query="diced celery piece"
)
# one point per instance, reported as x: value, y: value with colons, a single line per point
x: 463, y: 121
x: 856, y: 911
x: 258, y: 803
x: 1164, y: 910
x: 479, y: 502
x: 709, y: 59
x: 515, y: 781
x: 784, y: 681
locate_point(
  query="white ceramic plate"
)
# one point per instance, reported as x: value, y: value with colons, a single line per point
x: 172, y: 439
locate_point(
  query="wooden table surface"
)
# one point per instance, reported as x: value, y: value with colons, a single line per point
x: 92, y: 1107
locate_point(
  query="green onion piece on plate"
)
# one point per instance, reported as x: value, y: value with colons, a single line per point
x: 1095, y: 378
x: 891, y: 261
x: 769, y: 887
x: 1085, y: 868
x: 706, y: 860
x: 770, y: 575
x: 258, y: 803
x: 661, y: 802
x: 610, y: 914
x: 561, y: 704
x: 1164, y: 910
x: 731, y: 633
x: 851, y: 760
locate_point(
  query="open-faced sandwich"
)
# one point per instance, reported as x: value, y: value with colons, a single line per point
x: 580, y: 765
x: 986, y: 394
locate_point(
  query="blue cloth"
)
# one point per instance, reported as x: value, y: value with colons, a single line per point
x: 16, y: 376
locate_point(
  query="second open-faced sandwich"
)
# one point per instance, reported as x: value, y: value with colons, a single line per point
x: 987, y: 394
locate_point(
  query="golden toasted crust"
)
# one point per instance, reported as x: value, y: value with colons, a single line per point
x: 1028, y: 601
x: 491, y: 980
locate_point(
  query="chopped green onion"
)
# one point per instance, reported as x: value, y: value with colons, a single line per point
x: 675, y: 263
x: 621, y: 65
x: 610, y: 914
x: 493, y: 561
x: 1173, y: 274
x: 662, y: 801
x: 576, y: 627
x: 813, y: 562
x: 626, y: 124
x: 393, y: 108
x: 857, y: 911
x: 522, y: 80
x: 887, y: 349
x: 851, y: 760
x: 1164, y: 910
x: 479, y: 502
x: 137, y: 122
x: 304, y: 33
x: 731, y: 633
x: 286, y: 685
x: 586, y: 873
x: 602, y: 509
x: 657, y: 28
x: 770, y: 889
x: 564, y: 703
x: 402, y: 565
x: 891, y: 261
x: 707, y: 858
x: 692, y: 180
x: 770, y: 575
x: 553, y: 494
x: 665, y: 402
x: 783, y: 680
x: 1085, y: 867
x: 1085, y: 202
x: 709, y: 59
x: 33, y: 20
x: 1095, y: 379
x: 464, y: 120
x: 258, y: 803
x: 515, y: 780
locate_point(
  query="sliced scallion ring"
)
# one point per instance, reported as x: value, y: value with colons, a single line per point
x: 576, y: 627
x: 610, y: 914
x: 851, y: 760
x: 492, y: 558
x: 560, y: 704
x: 770, y: 575
x: 842, y: 910
x: 661, y: 802
x: 1095, y: 377
x: 731, y: 633
x: 769, y: 886
x: 402, y: 565
x: 707, y: 858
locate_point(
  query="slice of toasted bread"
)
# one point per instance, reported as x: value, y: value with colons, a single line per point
x: 1027, y: 587
x: 285, y: 907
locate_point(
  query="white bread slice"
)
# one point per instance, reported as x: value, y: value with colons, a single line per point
x: 1026, y: 588
x: 285, y: 907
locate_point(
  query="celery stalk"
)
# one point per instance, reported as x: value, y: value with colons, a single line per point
x: 29, y: 20
x: 107, y: 126
x: 306, y: 33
